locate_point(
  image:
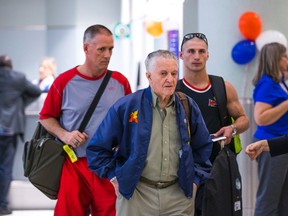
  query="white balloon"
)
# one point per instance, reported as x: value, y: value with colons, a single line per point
x: 157, y: 10
x: 270, y: 36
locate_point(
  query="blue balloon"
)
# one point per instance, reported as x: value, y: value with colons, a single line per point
x: 244, y: 51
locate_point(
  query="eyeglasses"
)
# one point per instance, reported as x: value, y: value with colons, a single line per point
x: 193, y: 35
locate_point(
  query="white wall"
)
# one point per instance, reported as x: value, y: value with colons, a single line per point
x: 32, y: 29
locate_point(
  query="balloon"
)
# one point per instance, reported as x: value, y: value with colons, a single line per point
x: 244, y: 51
x: 250, y: 25
x: 270, y: 36
x: 154, y: 28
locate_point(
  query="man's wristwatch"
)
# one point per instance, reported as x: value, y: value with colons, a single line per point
x: 234, y: 130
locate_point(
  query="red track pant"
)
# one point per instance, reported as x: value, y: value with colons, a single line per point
x: 81, y: 189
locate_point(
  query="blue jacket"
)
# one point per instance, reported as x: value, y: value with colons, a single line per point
x: 131, y: 133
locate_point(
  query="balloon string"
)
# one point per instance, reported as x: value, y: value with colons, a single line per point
x: 244, y: 89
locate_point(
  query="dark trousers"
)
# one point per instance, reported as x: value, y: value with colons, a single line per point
x: 8, y: 146
x: 200, y: 191
x: 199, y: 200
x: 271, y: 199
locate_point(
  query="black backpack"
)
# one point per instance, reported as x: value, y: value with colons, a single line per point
x: 223, y: 190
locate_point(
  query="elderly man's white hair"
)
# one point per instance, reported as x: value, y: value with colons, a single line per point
x: 149, y: 62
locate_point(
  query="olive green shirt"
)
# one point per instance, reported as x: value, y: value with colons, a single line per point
x: 163, y: 152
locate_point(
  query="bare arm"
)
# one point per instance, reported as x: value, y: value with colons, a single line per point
x: 265, y: 114
x: 236, y: 111
x: 73, y: 138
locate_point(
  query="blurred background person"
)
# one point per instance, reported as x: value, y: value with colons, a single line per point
x: 16, y: 92
x: 270, y: 113
x: 47, y: 73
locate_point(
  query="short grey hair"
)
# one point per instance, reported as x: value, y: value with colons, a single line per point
x: 149, y: 62
x: 93, y: 30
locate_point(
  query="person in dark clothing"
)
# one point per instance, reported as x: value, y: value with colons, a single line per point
x: 16, y: 92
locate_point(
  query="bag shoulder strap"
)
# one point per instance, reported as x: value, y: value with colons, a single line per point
x: 219, y: 91
x: 184, y: 101
x: 95, y: 101
x: 221, y: 99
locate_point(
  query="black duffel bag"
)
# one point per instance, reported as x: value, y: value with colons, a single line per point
x: 43, y: 159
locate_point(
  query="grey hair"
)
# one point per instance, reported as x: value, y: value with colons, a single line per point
x: 269, y: 62
x: 150, y: 59
x: 93, y: 30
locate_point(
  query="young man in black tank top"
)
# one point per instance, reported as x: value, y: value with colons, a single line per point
x: 196, y: 84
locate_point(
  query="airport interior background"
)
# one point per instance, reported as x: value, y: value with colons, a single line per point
x: 32, y: 29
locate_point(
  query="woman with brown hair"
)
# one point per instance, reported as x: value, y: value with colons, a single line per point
x: 270, y: 113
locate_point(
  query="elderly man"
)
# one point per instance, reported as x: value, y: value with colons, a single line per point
x: 154, y: 155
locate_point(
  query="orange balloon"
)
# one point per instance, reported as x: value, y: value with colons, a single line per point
x: 250, y: 25
x: 154, y: 28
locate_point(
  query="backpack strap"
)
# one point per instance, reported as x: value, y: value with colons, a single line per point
x: 184, y: 101
x: 219, y: 91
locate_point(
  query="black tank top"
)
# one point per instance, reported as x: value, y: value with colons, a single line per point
x: 206, y: 102
x: 209, y: 109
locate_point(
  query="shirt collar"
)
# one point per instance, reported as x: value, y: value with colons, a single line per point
x: 156, y: 103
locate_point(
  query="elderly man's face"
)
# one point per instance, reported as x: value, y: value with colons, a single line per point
x: 163, y: 77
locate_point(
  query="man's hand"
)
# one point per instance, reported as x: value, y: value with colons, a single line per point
x: 114, y: 182
x: 75, y: 138
x: 227, y: 132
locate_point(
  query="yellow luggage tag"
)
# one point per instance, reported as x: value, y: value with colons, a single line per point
x: 237, y: 141
x: 70, y: 153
